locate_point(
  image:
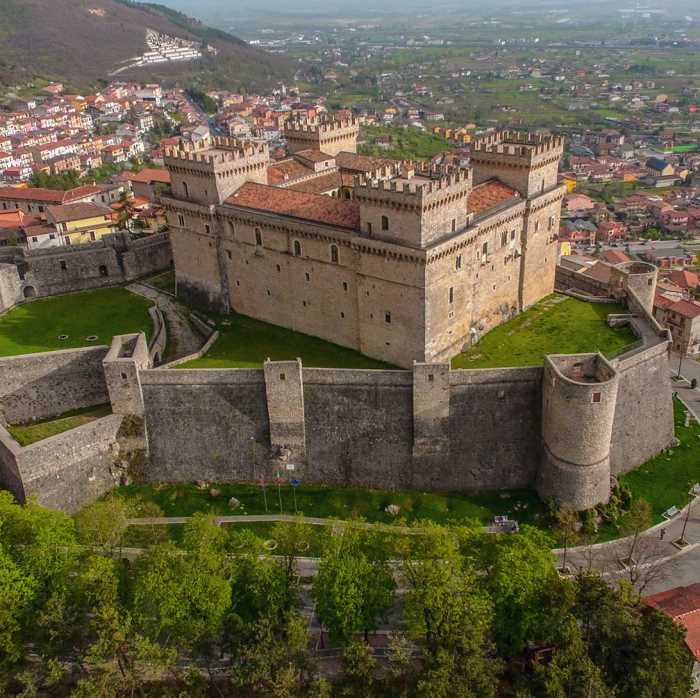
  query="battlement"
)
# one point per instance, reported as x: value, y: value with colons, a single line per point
x: 217, y: 151
x: 429, y: 183
x: 520, y: 143
x: 321, y: 125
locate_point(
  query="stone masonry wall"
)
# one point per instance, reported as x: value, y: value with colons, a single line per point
x: 66, y: 471
x: 39, y: 386
x: 10, y: 286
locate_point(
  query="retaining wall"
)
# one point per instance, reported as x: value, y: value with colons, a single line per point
x: 66, y: 471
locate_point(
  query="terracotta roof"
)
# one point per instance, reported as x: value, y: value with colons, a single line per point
x: 11, y: 219
x: 313, y: 155
x: 286, y: 202
x: 32, y: 194
x: 660, y: 301
x: 148, y: 175
x: 361, y: 163
x: 682, y: 604
x: 600, y: 272
x: 684, y: 278
x: 688, y: 309
x: 287, y: 170
x: 614, y: 257
x: 321, y: 184
x: 75, y: 212
x: 488, y: 195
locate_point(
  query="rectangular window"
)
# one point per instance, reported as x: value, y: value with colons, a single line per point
x: 595, y: 397
x: 180, y: 220
x: 454, y: 224
x: 387, y: 317
x: 504, y: 238
x: 369, y: 227
x: 62, y: 262
x: 537, y: 226
x: 34, y: 239
x: 512, y: 235
x: 458, y: 261
x: 385, y: 223
x: 207, y: 229
x: 485, y: 249
x: 450, y: 295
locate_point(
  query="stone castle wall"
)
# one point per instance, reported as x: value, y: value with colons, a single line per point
x: 40, y: 386
x: 113, y: 260
x: 66, y: 471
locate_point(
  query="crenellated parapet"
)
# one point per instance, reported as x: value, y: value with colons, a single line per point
x: 329, y: 135
x: 527, y: 161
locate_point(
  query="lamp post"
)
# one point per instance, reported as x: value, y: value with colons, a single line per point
x: 682, y: 539
x: 680, y: 364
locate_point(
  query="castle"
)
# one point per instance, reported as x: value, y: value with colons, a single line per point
x: 401, y: 261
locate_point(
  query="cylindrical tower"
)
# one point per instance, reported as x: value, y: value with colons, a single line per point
x: 579, y: 396
x: 640, y: 277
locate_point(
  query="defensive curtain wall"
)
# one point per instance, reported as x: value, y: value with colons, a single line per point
x: 564, y: 427
x: 113, y: 260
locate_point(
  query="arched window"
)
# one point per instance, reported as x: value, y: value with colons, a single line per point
x: 297, y: 248
x: 334, y: 254
x: 385, y: 223
x: 258, y: 237
x: 103, y: 270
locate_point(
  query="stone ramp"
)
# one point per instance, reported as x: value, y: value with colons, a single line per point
x: 183, y: 339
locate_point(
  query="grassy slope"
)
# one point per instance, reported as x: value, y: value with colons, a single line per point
x: 36, y: 326
x: 28, y: 434
x: 555, y: 325
x: 664, y: 481
x: 246, y: 343
x: 337, y: 503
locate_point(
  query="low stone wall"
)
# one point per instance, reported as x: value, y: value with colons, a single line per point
x: 66, y: 471
x: 159, y: 338
x: 40, y: 386
x: 566, y: 279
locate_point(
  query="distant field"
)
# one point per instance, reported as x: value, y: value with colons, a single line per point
x: 36, y: 326
x: 555, y: 325
x: 246, y: 343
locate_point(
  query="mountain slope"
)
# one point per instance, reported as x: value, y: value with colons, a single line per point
x: 81, y: 41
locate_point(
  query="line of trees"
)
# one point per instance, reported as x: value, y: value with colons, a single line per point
x: 465, y: 615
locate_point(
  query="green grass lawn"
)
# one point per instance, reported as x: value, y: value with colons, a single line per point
x: 665, y: 481
x: 27, y: 434
x: 555, y: 325
x: 246, y: 343
x: 336, y: 503
x: 163, y: 282
x: 36, y: 326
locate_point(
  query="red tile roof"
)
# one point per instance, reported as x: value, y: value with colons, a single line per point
x: 321, y: 184
x: 688, y: 309
x: 361, y: 163
x: 614, y: 257
x: 684, y: 278
x: 682, y: 604
x: 76, y: 212
x: 49, y: 196
x: 148, y: 175
x: 660, y: 301
x: 488, y: 195
x: 285, y: 202
x: 287, y: 170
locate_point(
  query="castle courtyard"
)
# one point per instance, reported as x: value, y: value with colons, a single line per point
x: 555, y: 325
x: 66, y: 322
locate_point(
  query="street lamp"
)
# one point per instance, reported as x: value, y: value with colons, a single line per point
x: 682, y: 541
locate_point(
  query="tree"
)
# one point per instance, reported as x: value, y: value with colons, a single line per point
x: 126, y: 210
x: 181, y: 599
x: 567, y: 529
x: 103, y: 523
x: 359, y: 666
x: 637, y: 520
x: 18, y: 591
x: 522, y: 579
x: 352, y: 589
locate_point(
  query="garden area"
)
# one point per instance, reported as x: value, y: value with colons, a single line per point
x: 73, y: 320
x: 245, y: 343
x: 27, y: 434
x: 555, y: 325
x: 401, y: 144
